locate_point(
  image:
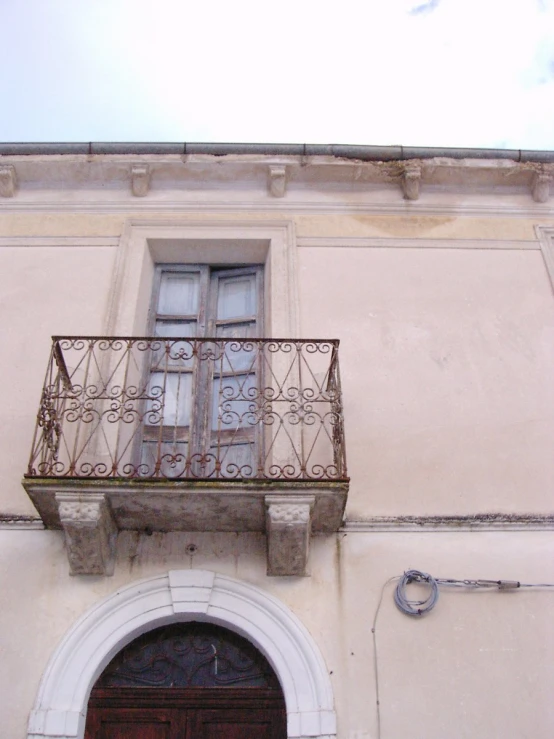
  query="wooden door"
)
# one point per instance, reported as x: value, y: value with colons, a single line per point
x: 234, y: 312
x: 201, y: 414
x: 187, y: 681
x: 197, y: 713
x: 135, y: 723
x: 171, y: 429
x: 234, y: 723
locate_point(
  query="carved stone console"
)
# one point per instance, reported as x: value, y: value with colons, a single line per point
x: 288, y: 526
x: 140, y: 180
x: 411, y: 180
x: 8, y: 181
x: 277, y: 181
x: 90, y: 532
x: 540, y: 187
x: 91, y: 512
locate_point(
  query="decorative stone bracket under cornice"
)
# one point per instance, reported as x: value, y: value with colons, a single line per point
x: 540, y: 186
x: 140, y: 180
x: 277, y: 181
x: 91, y: 512
x: 411, y: 180
x: 8, y: 181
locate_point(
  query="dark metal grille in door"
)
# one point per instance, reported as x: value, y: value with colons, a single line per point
x: 191, y: 655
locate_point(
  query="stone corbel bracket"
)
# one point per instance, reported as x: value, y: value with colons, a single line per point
x: 540, y: 186
x: 90, y: 533
x: 277, y: 181
x: 411, y: 180
x: 8, y: 181
x: 289, y: 527
x: 140, y: 180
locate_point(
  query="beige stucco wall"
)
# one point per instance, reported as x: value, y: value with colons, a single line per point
x: 46, y: 291
x: 446, y: 355
x: 479, y: 665
x: 446, y: 360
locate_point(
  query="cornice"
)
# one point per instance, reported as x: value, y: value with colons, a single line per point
x: 539, y: 212
x: 452, y: 524
x: 382, y: 524
x: 108, y: 242
x: 392, y: 242
x: 115, y: 182
x: 20, y: 522
x: 319, y: 242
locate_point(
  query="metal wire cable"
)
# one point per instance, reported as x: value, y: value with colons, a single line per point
x: 375, y: 659
x: 420, y: 607
x: 416, y: 607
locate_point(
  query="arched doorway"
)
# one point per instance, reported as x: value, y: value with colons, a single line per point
x: 60, y: 707
x: 187, y: 681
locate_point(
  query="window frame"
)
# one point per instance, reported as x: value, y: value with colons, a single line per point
x: 212, y: 241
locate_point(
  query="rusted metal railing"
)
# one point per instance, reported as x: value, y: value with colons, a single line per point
x: 188, y: 408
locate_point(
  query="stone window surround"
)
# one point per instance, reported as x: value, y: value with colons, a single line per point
x: 180, y: 596
x: 144, y: 244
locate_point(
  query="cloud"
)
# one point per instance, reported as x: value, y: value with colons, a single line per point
x: 425, y: 8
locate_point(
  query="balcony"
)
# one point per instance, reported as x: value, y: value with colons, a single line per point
x: 189, y: 434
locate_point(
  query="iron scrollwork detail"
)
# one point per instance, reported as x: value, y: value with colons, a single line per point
x: 49, y: 422
x: 191, y: 655
x: 191, y: 409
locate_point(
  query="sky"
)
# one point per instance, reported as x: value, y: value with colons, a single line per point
x: 461, y: 73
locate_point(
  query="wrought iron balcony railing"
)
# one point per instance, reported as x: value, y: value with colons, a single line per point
x: 190, y: 409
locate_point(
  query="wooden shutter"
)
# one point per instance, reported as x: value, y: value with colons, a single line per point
x: 178, y: 310
x: 235, y: 312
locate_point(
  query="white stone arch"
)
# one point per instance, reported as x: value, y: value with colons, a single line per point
x: 184, y: 595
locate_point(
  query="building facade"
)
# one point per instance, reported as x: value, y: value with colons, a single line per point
x: 280, y: 378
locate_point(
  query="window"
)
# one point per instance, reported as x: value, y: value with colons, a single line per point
x: 201, y: 416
